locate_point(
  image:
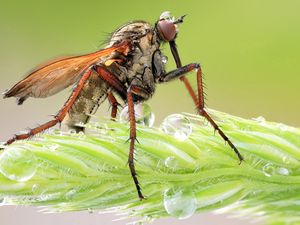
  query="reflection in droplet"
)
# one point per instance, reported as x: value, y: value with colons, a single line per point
x: 143, y: 114
x: 180, y: 203
x: 177, y: 126
x: 18, y: 164
x: 268, y: 170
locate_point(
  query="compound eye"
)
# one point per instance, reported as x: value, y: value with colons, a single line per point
x: 167, y: 29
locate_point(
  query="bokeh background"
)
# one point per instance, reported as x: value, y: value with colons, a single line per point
x: 249, y: 51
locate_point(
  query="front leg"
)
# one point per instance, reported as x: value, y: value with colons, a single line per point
x: 199, y: 102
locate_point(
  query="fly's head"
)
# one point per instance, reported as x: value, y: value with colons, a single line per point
x: 167, y: 26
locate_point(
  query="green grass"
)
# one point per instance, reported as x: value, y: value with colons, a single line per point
x: 72, y: 172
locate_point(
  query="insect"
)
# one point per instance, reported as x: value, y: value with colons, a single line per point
x: 129, y: 66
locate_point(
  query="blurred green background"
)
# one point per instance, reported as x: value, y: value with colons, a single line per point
x: 249, y: 52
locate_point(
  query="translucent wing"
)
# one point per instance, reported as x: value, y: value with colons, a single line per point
x: 58, y: 75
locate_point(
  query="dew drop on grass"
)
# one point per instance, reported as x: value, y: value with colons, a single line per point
x: 282, y: 127
x: 143, y: 114
x: 268, y: 170
x: 70, y: 194
x: 54, y: 147
x: 18, y: 164
x: 171, y: 162
x: 260, y: 119
x: 35, y: 188
x: 180, y: 203
x: 177, y: 126
x: 283, y: 171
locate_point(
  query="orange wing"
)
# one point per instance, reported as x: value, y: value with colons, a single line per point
x: 58, y: 75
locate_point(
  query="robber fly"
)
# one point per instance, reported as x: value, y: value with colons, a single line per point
x: 129, y: 66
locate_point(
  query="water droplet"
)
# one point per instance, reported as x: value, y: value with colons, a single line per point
x: 45, y: 197
x: 164, y: 59
x: 171, y: 162
x: 53, y: 147
x: 18, y: 164
x: 180, y: 203
x: 70, y: 194
x: 260, y: 119
x: 283, y: 171
x: 57, y: 132
x: 148, y: 219
x: 282, y: 127
x: 35, y: 188
x: 177, y: 126
x: 72, y: 132
x: 143, y: 114
x: 3, y: 201
x: 166, y: 15
x: 268, y: 170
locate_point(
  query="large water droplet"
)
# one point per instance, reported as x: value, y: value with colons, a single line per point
x: 268, y: 170
x: 143, y: 114
x: 18, y: 164
x: 177, y: 126
x: 180, y: 203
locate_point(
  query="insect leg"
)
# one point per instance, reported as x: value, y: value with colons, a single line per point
x: 133, y: 89
x: 199, y: 102
x: 59, y: 116
x: 112, y: 80
x: 137, y: 90
x: 114, y: 105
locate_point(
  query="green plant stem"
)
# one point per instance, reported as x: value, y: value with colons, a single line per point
x: 71, y: 172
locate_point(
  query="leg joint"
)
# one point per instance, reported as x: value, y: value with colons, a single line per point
x: 196, y: 65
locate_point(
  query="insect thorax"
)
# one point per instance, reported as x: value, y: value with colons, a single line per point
x: 144, y: 63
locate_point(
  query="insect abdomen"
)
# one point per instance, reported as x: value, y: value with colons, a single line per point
x: 91, y: 96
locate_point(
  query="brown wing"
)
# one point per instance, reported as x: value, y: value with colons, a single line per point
x: 58, y: 75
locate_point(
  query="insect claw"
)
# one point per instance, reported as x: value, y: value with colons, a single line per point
x: 141, y: 197
x: 241, y: 160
